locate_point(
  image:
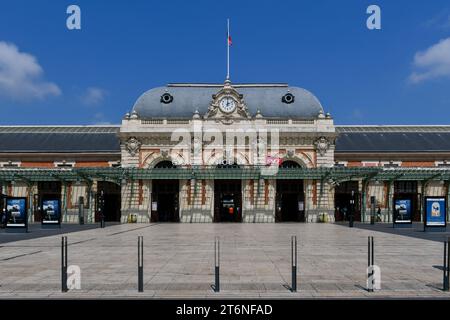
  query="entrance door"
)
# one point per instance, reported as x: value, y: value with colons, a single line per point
x: 290, y: 204
x: 112, y: 201
x: 407, y: 190
x: 227, y: 201
x: 343, y: 194
x: 290, y: 197
x: 46, y: 190
x: 165, y: 201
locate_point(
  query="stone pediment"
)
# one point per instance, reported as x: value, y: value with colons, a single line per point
x: 227, y: 105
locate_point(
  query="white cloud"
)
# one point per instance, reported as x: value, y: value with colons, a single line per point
x: 21, y: 75
x: 440, y: 21
x: 432, y: 63
x: 93, y: 96
x: 357, y: 114
x: 100, y: 119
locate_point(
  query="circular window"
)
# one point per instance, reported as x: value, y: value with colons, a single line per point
x: 288, y: 98
x: 166, y: 98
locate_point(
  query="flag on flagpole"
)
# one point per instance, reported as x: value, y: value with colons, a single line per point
x: 229, y: 43
x: 228, y: 34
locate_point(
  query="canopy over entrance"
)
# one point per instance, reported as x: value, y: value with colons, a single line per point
x: 120, y: 175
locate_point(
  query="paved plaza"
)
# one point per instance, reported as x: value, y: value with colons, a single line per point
x: 255, y: 261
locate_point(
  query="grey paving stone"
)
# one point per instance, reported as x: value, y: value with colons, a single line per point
x: 255, y: 262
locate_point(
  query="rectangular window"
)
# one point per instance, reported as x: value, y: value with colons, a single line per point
x: 443, y: 164
x: 64, y: 164
x: 391, y: 164
x: 10, y: 164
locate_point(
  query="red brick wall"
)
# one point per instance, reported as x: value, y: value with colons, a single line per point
x: 266, y: 192
x: 314, y: 195
x: 354, y: 164
x: 404, y: 164
x: 29, y: 164
x: 203, y: 192
x: 418, y: 164
x: 141, y: 192
x: 188, y: 185
x: 252, y: 189
x: 92, y: 164
x: 69, y: 196
x: 37, y: 164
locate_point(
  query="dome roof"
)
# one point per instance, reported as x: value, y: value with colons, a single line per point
x: 267, y: 98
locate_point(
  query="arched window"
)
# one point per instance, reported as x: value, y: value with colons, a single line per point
x: 225, y: 165
x: 289, y: 164
x: 165, y: 164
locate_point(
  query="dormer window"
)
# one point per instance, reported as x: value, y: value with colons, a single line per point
x: 288, y: 98
x: 166, y: 98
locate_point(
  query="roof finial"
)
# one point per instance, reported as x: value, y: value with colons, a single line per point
x: 196, y: 114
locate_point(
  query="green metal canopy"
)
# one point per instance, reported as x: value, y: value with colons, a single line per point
x: 118, y: 175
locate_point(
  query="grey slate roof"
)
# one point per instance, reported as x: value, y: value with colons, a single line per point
x: 393, y: 139
x: 189, y: 97
x: 70, y: 139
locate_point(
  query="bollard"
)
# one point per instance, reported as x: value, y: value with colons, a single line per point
x: 446, y: 264
x: 140, y: 263
x: 101, y: 204
x: 81, y: 210
x: 217, y: 264
x: 294, y: 263
x: 372, y: 210
x: 64, y: 264
x: 370, y: 259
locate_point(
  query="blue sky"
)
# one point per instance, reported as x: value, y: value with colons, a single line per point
x: 397, y: 75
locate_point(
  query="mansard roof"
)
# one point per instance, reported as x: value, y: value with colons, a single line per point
x: 267, y: 98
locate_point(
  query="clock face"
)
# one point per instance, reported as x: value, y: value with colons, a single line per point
x: 227, y: 104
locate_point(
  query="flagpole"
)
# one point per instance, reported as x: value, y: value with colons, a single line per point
x: 228, y: 49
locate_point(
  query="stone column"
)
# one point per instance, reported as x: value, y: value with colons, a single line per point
x: 309, y: 206
x: 91, y: 194
x: 264, y: 212
x: 422, y: 189
x: 448, y: 200
x: 325, y: 197
x: 390, y: 200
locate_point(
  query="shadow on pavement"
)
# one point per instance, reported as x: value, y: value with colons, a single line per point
x: 35, y: 231
x: 415, y: 231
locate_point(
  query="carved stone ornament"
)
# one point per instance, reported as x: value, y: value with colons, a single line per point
x: 322, y: 145
x: 133, y: 145
x: 197, y: 146
x: 165, y: 153
x: 290, y: 153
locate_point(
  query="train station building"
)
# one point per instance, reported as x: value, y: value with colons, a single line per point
x: 203, y: 153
